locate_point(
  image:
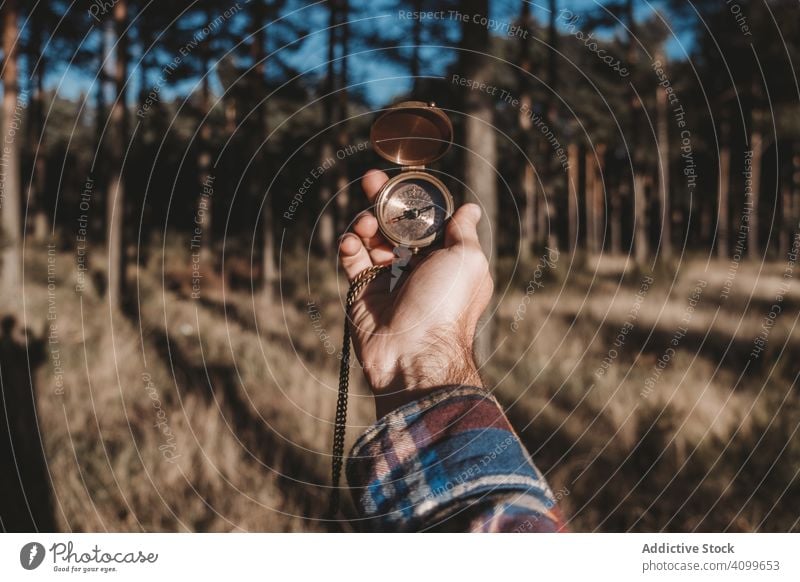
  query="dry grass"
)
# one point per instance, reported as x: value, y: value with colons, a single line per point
x: 248, y: 392
x: 250, y: 425
x: 708, y: 447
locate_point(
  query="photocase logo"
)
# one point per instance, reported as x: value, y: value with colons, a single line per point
x: 31, y: 555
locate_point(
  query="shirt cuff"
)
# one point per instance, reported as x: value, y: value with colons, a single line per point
x: 439, y: 456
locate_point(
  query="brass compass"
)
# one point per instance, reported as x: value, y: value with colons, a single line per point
x: 413, y: 207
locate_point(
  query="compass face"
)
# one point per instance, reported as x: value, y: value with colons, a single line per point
x: 412, y: 209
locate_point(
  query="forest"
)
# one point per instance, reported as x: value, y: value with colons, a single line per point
x: 175, y: 176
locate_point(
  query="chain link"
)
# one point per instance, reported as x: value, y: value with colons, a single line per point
x: 358, y: 284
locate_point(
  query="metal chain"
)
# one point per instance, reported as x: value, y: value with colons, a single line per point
x: 358, y: 284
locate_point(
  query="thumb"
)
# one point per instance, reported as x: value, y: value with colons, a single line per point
x: 462, y: 227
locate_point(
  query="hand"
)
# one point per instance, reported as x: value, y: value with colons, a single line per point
x: 417, y: 337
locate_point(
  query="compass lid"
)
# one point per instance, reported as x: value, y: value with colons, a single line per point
x: 412, y: 133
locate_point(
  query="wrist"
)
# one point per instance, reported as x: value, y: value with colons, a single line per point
x: 412, y: 376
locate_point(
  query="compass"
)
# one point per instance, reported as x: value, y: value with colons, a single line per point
x: 413, y: 207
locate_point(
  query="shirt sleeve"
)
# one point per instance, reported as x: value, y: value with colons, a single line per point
x: 449, y: 461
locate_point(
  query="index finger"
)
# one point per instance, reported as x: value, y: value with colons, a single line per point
x: 372, y: 182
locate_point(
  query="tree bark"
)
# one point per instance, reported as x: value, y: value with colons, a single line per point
x: 552, y: 68
x: 786, y: 217
x: 588, y: 199
x: 548, y: 197
x: 36, y: 138
x: 343, y: 139
x: 573, y: 185
x: 615, y: 193
x: 528, y: 174
x: 11, y: 193
x: 795, y: 220
x: 326, y: 226
x: 594, y: 198
x: 706, y: 222
x: 99, y: 171
x: 663, y: 162
x: 757, y: 146
x: 204, y: 205
x: 641, y: 246
x: 542, y: 213
x: 528, y: 230
x: 117, y: 255
x: 268, y: 267
x: 723, y: 192
x: 480, y: 157
x: 640, y: 205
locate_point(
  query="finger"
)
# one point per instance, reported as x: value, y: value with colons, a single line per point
x: 372, y: 182
x: 463, y: 226
x: 353, y: 256
x: 382, y: 255
x: 366, y: 227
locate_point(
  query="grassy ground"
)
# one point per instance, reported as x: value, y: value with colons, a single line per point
x: 214, y: 414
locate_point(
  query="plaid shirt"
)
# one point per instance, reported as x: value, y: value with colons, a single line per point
x: 449, y: 462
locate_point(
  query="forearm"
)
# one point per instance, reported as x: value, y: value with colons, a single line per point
x: 448, y: 461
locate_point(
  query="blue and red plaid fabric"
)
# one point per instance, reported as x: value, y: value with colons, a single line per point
x: 449, y: 462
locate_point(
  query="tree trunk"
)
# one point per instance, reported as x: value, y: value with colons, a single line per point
x: 36, y: 139
x: 548, y: 197
x: 528, y: 230
x: 98, y: 174
x: 204, y: 204
x: 663, y: 162
x: 205, y: 181
x: 268, y: 267
x: 10, y: 168
x: 640, y: 205
x: 480, y: 156
x: 552, y: 66
x: 542, y: 212
x: 588, y: 199
x: 527, y: 175
x: 117, y: 255
x: 479, y: 171
x: 706, y: 221
x: 594, y: 198
x: 723, y: 192
x: 615, y: 193
x: 343, y: 139
x: 641, y: 246
x: 757, y: 146
x: 573, y: 185
x: 326, y: 229
x: 795, y: 225
x: 786, y: 218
